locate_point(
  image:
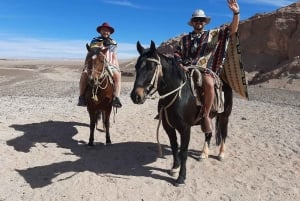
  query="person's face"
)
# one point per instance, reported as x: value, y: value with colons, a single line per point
x: 105, y: 32
x: 198, y: 23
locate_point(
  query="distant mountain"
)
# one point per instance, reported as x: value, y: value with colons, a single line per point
x: 270, y: 43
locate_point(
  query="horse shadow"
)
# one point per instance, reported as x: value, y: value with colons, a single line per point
x: 119, y: 159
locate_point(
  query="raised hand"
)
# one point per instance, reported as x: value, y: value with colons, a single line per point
x: 233, y: 5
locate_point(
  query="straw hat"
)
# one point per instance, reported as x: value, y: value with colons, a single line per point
x: 199, y: 14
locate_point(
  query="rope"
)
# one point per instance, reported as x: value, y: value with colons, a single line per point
x: 164, y: 109
x: 154, y: 83
x: 171, y: 92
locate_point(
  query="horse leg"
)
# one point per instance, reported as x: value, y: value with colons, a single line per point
x: 93, y: 121
x: 106, y: 117
x: 205, y: 150
x: 100, y: 118
x: 174, y: 147
x: 222, y: 121
x: 221, y: 155
x: 221, y: 134
x: 103, y: 122
x: 185, y: 140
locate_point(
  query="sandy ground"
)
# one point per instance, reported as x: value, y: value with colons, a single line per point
x: 44, y: 156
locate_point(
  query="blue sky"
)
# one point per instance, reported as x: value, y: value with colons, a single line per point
x: 61, y: 28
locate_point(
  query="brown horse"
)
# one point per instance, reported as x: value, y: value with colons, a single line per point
x: 99, y: 93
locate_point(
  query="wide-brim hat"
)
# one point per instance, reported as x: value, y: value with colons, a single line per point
x: 105, y: 25
x: 199, y: 14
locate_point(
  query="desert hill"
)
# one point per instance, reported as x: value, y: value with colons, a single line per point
x: 270, y: 46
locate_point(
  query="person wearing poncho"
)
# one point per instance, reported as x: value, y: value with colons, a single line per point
x: 104, y: 41
x: 206, y: 49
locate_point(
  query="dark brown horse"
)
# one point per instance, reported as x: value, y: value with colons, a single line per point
x: 99, y: 93
x: 177, y: 104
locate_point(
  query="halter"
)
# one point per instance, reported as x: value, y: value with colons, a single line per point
x: 104, y: 76
x: 154, y: 81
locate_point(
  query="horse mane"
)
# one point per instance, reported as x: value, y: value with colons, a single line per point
x: 166, y: 61
x: 172, y: 62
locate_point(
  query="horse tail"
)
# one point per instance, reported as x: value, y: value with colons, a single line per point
x: 222, y: 119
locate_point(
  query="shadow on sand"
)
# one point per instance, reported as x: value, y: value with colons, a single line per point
x: 126, y: 158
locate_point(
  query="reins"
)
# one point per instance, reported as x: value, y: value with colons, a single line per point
x: 104, y: 76
x: 154, y: 83
x: 154, y: 80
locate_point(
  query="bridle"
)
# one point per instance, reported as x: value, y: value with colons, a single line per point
x: 152, y: 86
x: 104, y: 76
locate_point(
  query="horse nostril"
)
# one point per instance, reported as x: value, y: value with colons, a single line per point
x: 138, y: 98
x: 134, y: 97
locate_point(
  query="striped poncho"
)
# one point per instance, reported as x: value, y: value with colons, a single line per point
x: 206, y: 49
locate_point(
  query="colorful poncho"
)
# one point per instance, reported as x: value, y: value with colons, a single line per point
x: 206, y: 49
x: 210, y: 49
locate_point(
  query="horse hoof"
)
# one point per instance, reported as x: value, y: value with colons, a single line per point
x: 174, y: 172
x: 202, y: 157
x: 179, y: 183
x: 221, y: 157
x: 90, y: 144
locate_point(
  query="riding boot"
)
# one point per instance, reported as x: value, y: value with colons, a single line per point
x: 81, y: 101
x: 116, y: 102
x: 117, y: 89
x: 82, y: 89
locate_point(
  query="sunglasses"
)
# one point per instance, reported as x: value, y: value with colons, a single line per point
x: 199, y: 19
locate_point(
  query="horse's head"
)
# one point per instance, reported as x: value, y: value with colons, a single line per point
x: 95, y: 61
x: 148, y: 72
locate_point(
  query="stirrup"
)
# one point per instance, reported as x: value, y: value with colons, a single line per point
x: 116, y: 102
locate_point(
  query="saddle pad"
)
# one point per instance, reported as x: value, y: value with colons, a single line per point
x: 233, y: 71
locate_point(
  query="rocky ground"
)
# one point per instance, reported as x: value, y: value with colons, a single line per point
x: 45, y: 156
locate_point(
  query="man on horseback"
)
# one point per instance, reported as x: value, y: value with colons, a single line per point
x: 104, y: 42
x: 206, y: 49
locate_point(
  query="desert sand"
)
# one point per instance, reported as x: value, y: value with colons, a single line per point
x: 44, y: 152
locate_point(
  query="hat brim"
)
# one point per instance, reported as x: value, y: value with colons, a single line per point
x: 207, y: 21
x: 112, y: 30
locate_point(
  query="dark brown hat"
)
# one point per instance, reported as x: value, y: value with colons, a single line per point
x: 105, y: 24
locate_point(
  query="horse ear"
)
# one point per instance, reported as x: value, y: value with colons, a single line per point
x: 139, y: 47
x: 152, y: 46
x: 88, y: 47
